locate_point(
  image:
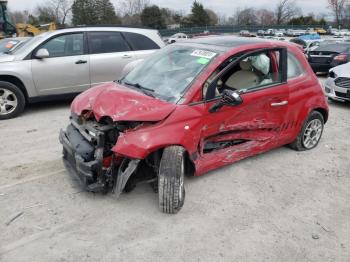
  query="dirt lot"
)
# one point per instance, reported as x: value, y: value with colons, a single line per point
x: 279, y: 206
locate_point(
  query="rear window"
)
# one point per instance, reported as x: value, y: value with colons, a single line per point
x: 294, y: 67
x: 140, y: 42
x: 107, y: 42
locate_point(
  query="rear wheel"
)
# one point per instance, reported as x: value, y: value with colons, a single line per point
x: 311, y: 133
x: 171, y: 190
x: 12, y: 100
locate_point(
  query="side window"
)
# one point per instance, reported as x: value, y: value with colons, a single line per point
x: 65, y: 45
x: 258, y: 70
x: 294, y: 67
x: 107, y: 42
x: 140, y: 42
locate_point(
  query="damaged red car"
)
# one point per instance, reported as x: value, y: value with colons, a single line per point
x: 190, y: 108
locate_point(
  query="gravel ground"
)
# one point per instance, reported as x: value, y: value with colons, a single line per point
x: 278, y: 206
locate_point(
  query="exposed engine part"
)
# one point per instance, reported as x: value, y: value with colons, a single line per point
x: 126, y: 169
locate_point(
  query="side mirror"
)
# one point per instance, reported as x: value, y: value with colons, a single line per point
x: 42, y: 53
x: 229, y: 98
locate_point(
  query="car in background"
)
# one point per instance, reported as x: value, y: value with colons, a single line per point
x: 295, y: 32
x: 279, y: 33
x: 342, y: 33
x: 270, y: 32
x: 320, y: 31
x: 332, y: 31
x: 326, y: 56
x: 337, y: 85
x: 307, y: 45
x: 65, y: 62
x: 191, y: 108
x: 245, y: 33
x: 8, y: 45
x: 260, y: 33
x: 176, y: 37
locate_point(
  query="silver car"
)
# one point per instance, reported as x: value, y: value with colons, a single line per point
x: 337, y: 85
x: 69, y: 61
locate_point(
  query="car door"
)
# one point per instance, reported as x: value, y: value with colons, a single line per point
x: 256, y: 125
x: 109, y: 54
x: 142, y: 45
x: 66, y: 69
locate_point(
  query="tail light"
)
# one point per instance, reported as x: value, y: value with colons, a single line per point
x: 341, y: 58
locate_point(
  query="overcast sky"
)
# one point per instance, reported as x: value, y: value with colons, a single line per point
x: 221, y: 6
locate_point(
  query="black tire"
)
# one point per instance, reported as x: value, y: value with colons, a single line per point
x: 171, y: 190
x: 16, y: 94
x: 299, y: 143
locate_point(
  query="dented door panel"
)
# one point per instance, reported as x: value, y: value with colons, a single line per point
x: 248, y: 129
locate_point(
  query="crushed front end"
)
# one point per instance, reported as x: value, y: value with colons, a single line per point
x: 87, y: 153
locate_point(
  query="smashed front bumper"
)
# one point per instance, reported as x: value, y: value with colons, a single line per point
x: 85, y: 171
x: 84, y: 153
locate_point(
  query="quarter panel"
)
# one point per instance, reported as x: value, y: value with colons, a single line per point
x: 21, y: 69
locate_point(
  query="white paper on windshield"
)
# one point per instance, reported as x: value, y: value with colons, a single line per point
x: 203, y: 53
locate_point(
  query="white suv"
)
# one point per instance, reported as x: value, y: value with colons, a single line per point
x: 69, y: 61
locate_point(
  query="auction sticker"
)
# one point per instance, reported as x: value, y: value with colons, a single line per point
x: 203, y: 54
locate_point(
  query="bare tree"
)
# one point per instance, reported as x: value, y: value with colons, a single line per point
x: 62, y: 9
x: 285, y: 10
x: 212, y: 16
x: 133, y: 7
x: 245, y: 16
x: 265, y: 17
x: 55, y: 11
x: 19, y: 16
x: 339, y: 10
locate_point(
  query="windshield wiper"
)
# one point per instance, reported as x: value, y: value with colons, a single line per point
x: 145, y: 90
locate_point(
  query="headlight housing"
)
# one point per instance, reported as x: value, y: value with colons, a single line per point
x: 331, y: 74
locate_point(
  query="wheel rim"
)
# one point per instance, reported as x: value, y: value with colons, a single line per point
x: 312, y: 133
x: 181, y: 182
x: 8, y: 101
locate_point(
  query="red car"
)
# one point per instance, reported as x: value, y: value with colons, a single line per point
x: 190, y: 108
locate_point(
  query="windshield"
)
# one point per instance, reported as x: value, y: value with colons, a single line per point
x: 6, y: 45
x: 27, y: 43
x: 170, y: 71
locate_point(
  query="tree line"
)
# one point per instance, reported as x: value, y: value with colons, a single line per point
x: 143, y: 13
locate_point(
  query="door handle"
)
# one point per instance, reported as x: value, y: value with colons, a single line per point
x: 283, y: 103
x: 126, y: 56
x: 80, y: 62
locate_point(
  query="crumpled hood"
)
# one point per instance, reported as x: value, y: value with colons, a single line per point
x: 6, y: 58
x: 121, y: 104
x: 342, y: 70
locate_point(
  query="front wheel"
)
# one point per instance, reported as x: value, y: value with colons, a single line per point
x: 12, y: 100
x: 311, y: 133
x: 171, y: 190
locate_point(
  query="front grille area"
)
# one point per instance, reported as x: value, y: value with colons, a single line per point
x: 321, y: 57
x: 343, y: 82
x: 344, y: 95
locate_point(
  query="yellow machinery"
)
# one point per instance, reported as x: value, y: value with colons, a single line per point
x: 8, y: 29
x: 30, y: 30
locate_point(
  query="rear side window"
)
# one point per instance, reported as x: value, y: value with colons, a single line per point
x: 140, y: 42
x: 294, y: 67
x: 107, y: 42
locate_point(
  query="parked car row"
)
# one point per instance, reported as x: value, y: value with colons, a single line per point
x: 291, y: 32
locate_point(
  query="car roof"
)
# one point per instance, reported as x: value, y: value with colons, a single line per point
x: 104, y: 28
x: 100, y: 28
x: 334, y: 47
x: 225, y: 43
